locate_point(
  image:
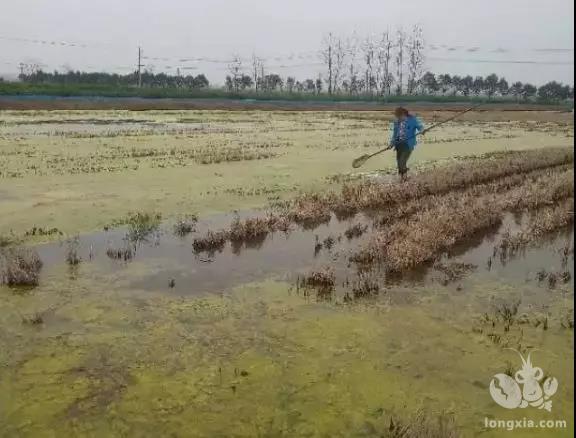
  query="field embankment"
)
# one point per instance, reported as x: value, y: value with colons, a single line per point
x: 109, y: 101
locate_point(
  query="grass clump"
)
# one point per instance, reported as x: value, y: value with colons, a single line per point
x: 125, y: 253
x: 322, y: 281
x: 544, y: 221
x: 185, y: 225
x: 7, y: 240
x: 212, y: 241
x: 34, y: 319
x: 507, y: 312
x: 41, y: 231
x: 310, y: 210
x: 72, y: 257
x: 567, y: 319
x: 365, y: 287
x: 20, y: 266
x: 249, y: 232
x: 419, y: 425
x: 249, y: 229
x: 140, y: 225
x: 454, y: 271
x: 355, y: 231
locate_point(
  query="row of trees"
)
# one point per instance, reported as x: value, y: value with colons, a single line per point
x: 428, y: 84
x: 148, y: 79
x: 490, y: 86
x: 272, y: 82
x: 258, y: 79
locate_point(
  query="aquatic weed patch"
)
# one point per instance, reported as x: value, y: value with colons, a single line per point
x: 355, y: 231
x: 248, y: 232
x: 72, y: 257
x: 454, y: 271
x: 141, y: 225
x: 185, y: 225
x: 125, y: 253
x: 322, y: 282
x: 212, y: 241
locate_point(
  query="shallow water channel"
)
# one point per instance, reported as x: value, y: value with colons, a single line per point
x: 168, y: 262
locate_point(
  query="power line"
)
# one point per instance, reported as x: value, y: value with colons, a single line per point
x: 44, y: 42
x: 48, y: 42
x: 299, y: 55
x: 500, y: 61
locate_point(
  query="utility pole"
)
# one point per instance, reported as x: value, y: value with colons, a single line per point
x: 330, y: 73
x: 140, y: 67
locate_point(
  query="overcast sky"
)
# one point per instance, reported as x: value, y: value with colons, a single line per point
x: 525, y: 40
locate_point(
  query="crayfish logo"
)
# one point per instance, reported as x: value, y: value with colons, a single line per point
x: 525, y: 389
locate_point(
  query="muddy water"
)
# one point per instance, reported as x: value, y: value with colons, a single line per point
x: 169, y: 263
x: 170, y: 257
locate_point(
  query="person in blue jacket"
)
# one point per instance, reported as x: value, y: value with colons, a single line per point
x: 403, y: 138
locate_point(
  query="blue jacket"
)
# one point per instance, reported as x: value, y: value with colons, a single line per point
x: 413, y: 125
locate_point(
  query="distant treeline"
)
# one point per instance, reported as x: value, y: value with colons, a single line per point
x: 429, y: 86
x: 146, y: 78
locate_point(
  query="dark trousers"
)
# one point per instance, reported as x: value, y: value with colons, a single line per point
x: 403, y: 152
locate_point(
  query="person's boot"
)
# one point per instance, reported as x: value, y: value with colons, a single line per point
x: 405, y: 175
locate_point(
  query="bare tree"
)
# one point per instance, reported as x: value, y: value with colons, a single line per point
x: 399, y: 59
x: 319, y: 83
x: 415, y: 58
x: 327, y: 55
x: 340, y: 55
x: 235, y: 69
x: 385, y: 78
x: 290, y: 83
x: 29, y: 69
x: 369, y: 56
x: 352, y: 45
x: 310, y: 85
x: 257, y: 69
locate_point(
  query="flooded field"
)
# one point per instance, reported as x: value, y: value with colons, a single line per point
x: 259, y: 298
x: 57, y: 165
